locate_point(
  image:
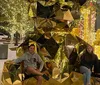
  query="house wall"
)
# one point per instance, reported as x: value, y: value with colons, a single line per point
x: 11, y: 55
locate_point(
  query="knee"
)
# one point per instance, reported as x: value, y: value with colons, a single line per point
x: 88, y: 72
x: 30, y: 69
x: 39, y: 78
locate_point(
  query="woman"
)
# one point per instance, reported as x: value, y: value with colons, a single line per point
x: 88, y: 60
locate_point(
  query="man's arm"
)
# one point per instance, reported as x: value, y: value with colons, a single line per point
x: 40, y: 62
x: 20, y: 59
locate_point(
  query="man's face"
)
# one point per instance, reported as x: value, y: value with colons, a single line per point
x: 31, y: 49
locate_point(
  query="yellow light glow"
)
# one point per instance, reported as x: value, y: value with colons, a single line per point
x: 75, y: 31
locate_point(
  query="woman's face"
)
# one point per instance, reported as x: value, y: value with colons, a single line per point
x: 31, y: 49
x: 89, y: 49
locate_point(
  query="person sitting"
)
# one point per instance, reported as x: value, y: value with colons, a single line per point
x: 87, y: 61
x: 31, y: 61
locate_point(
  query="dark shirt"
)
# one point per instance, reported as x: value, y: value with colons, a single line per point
x: 89, y: 62
x: 97, y: 67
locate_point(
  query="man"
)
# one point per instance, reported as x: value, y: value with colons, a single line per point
x: 31, y: 61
